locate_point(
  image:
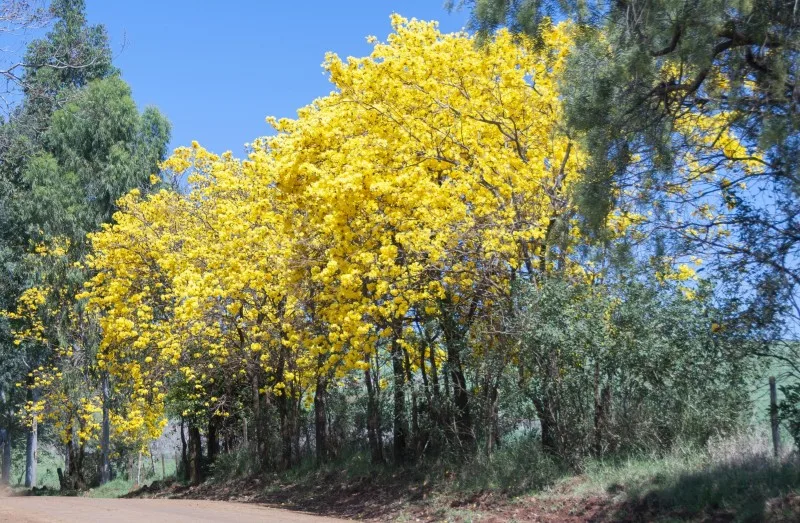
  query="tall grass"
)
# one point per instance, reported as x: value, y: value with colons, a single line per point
x: 736, y: 476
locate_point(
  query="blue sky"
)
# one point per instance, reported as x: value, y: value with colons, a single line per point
x: 217, y: 69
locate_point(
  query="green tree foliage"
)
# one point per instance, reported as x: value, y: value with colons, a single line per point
x: 641, y: 65
x: 68, y: 58
x: 96, y: 149
x: 627, y: 366
x: 74, y: 145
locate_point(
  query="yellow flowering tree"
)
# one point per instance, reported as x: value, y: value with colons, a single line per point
x: 382, y: 230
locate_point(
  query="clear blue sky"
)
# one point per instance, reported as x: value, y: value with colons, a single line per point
x: 217, y: 69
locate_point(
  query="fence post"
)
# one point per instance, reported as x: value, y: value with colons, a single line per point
x: 773, y: 415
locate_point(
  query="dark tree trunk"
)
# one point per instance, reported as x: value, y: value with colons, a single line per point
x: 5, y: 440
x: 76, y: 452
x: 213, y: 439
x: 105, y: 437
x: 547, y: 406
x: 184, y: 454
x: 195, y: 456
x: 400, y: 423
x: 492, y: 402
x: 548, y: 425
x: 284, y: 412
x: 321, y: 420
x: 455, y: 343
x: 286, y: 434
x: 463, y: 418
x: 295, y: 425
x: 256, y: 416
x: 5, y: 457
x: 373, y: 420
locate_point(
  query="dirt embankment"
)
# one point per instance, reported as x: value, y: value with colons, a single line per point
x: 383, y: 499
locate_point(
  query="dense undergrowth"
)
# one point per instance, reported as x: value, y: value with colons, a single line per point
x: 734, y: 478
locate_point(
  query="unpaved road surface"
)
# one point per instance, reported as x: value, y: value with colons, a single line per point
x: 36, y: 509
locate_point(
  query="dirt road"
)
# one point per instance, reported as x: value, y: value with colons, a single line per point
x: 36, y: 509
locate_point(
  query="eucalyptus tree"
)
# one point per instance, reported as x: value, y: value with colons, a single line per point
x: 74, y: 144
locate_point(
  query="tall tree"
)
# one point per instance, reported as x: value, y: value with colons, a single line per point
x: 70, y: 150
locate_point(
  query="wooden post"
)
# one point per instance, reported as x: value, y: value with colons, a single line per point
x: 773, y: 415
x: 163, y: 468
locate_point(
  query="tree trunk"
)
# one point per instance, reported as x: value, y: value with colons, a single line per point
x: 373, y: 420
x: 31, y: 453
x: 493, y: 431
x: 62, y: 482
x: 105, y: 437
x: 454, y: 343
x: 257, y: 430
x: 547, y: 406
x: 67, y: 458
x: 547, y: 424
x: 184, y: 454
x: 213, y: 439
x: 463, y: 418
x: 415, y: 436
x: 195, y: 456
x: 5, y: 457
x: 284, y: 414
x: 400, y: 423
x: 76, y: 452
x: 321, y: 420
x: 5, y: 441
x: 131, y: 468
x: 286, y: 435
x: 295, y: 426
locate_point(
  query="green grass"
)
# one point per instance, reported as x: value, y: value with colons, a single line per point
x: 737, y: 477
x: 121, y: 485
x: 636, y: 473
x: 46, y: 470
x: 113, y: 489
x: 517, y: 467
x: 49, y: 461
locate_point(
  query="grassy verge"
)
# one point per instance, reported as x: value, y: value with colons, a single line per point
x: 732, y: 479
